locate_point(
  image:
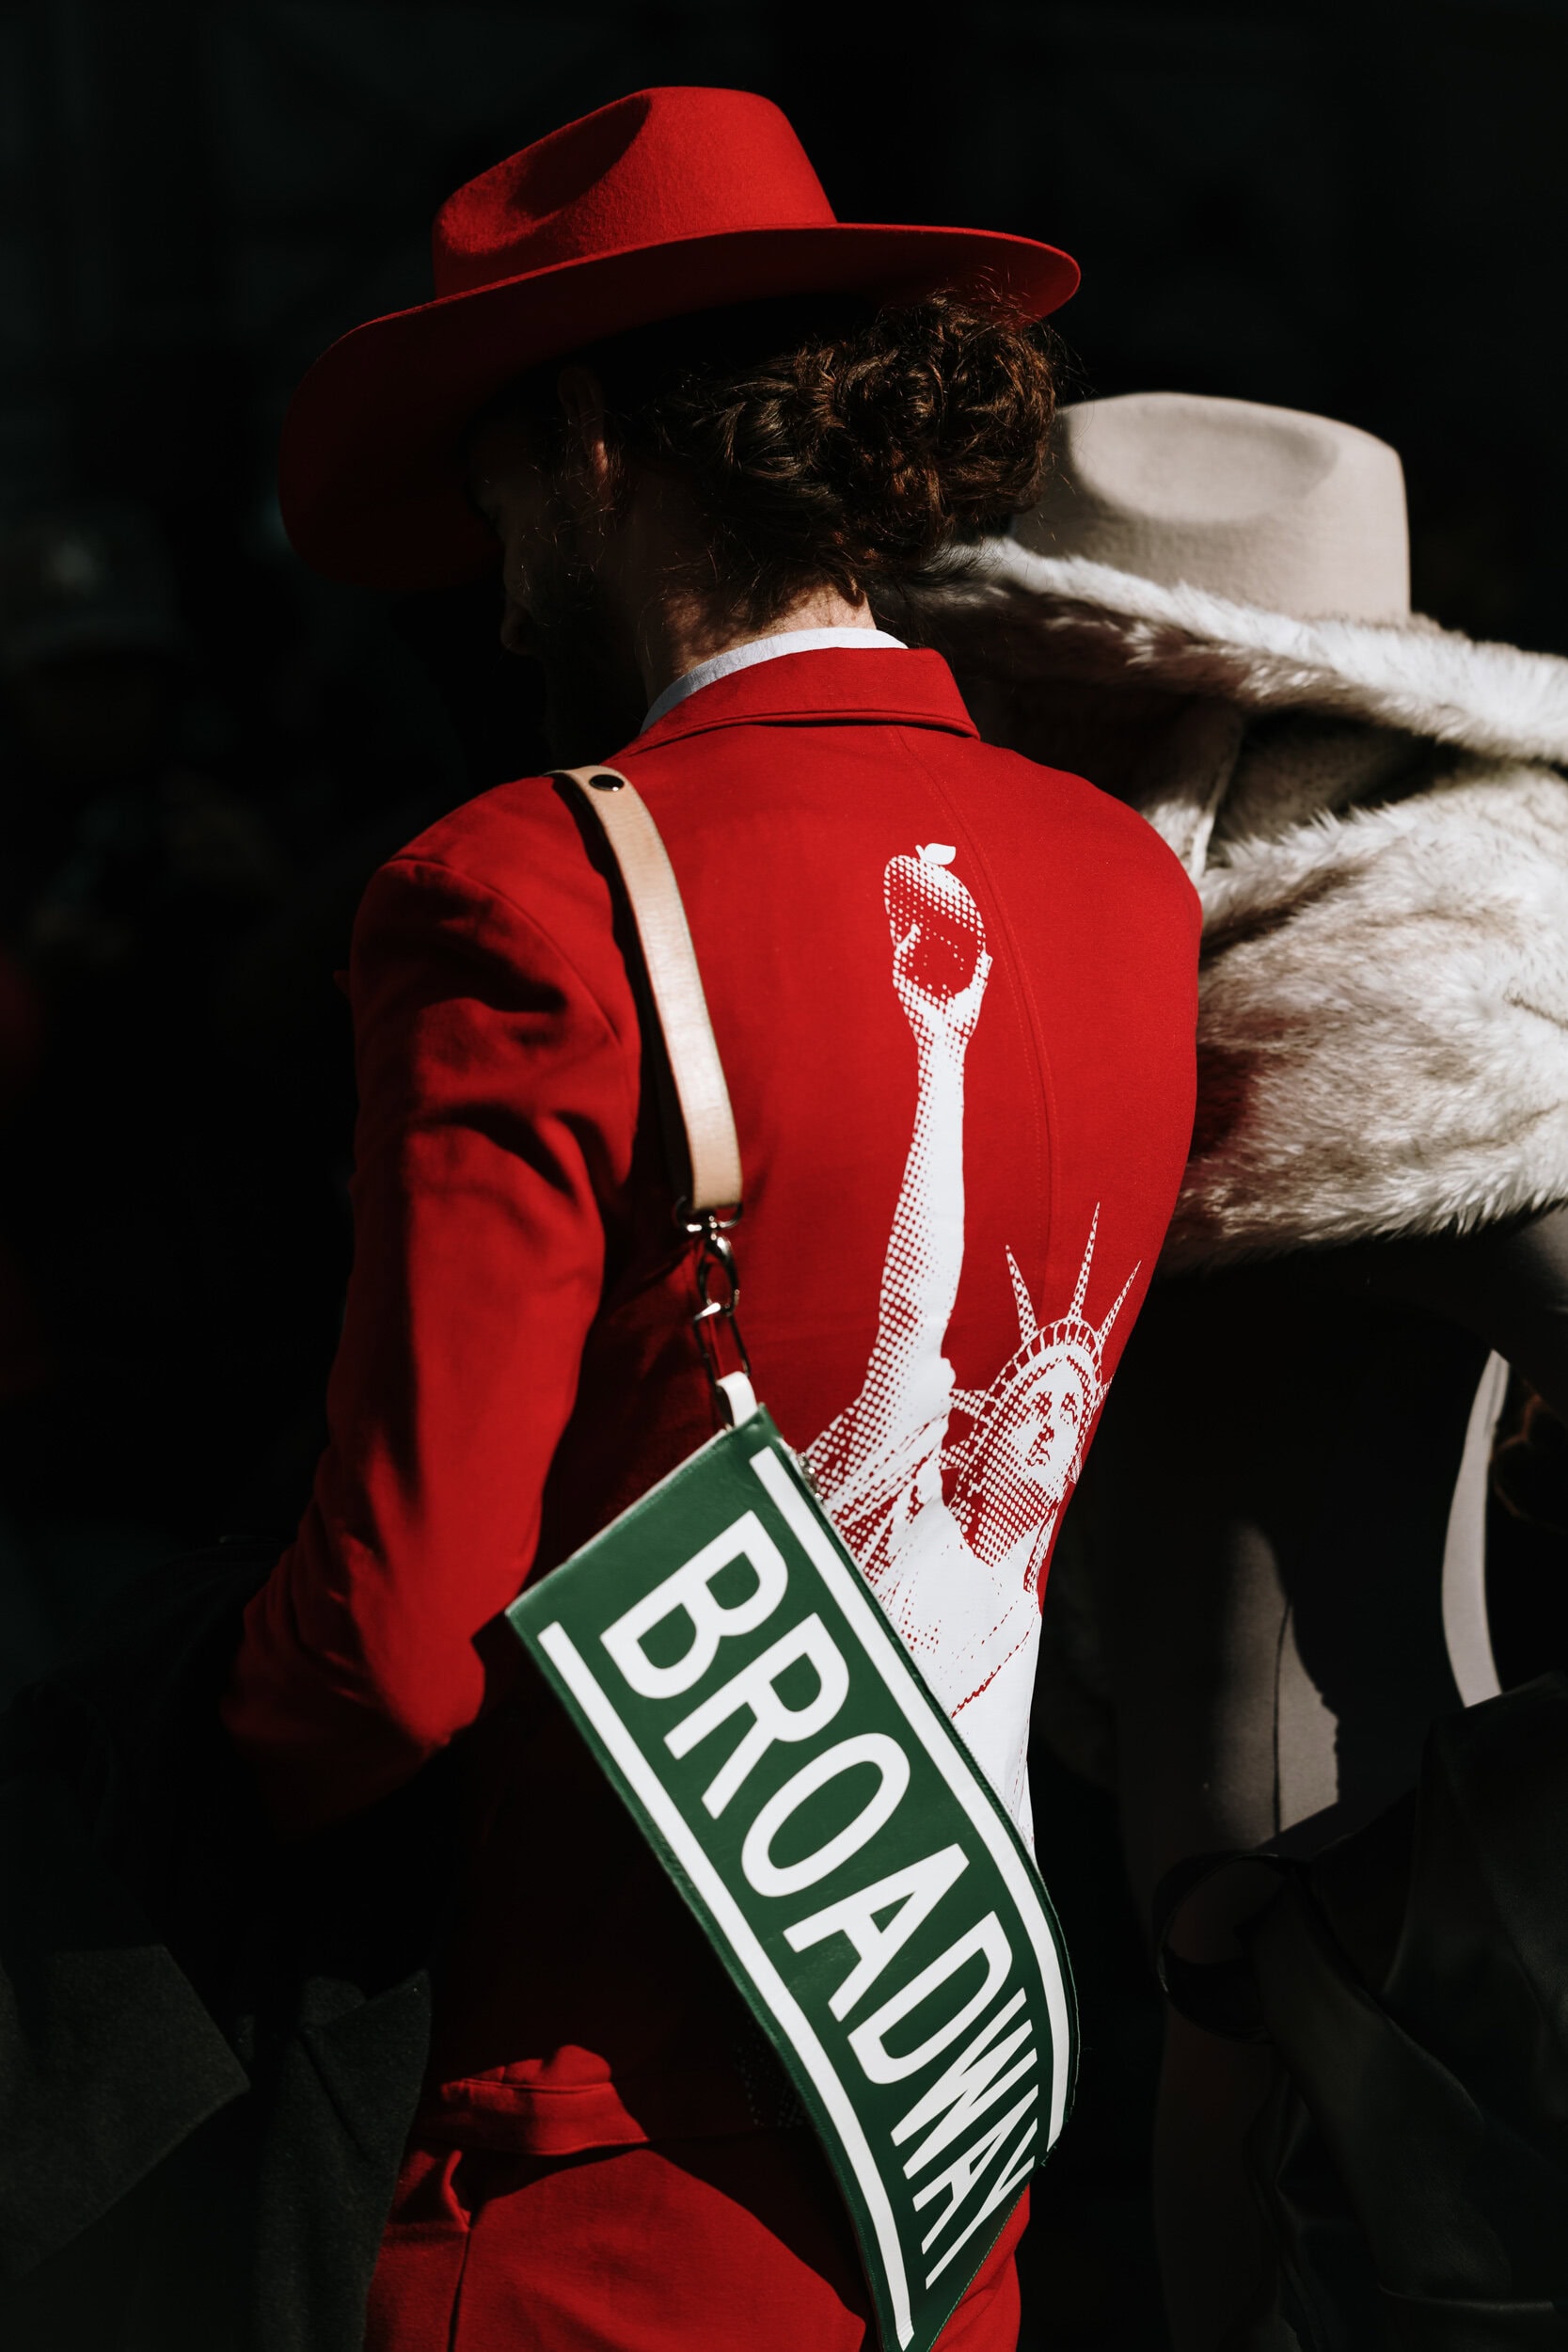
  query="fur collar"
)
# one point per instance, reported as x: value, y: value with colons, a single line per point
x: 1418, y: 679
x: 1383, y: 1034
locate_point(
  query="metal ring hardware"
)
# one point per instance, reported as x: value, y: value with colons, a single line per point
x: 717, y: 1281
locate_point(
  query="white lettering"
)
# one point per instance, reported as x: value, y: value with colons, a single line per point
x: 964, y: 2171
x: 916, y: 1892
x: 987, y: 1938
x: 956, y: 2096
x: 772, y: 1720
x: 866, y: 1747
x: 1009, y: 2179
x: 691, y: 1588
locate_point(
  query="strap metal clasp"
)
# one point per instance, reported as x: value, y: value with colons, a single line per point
x: 723, y: 1351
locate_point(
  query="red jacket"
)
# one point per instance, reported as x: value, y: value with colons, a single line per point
x: 954, y: 995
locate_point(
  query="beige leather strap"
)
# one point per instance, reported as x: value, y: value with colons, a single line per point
x: 713, y: 1148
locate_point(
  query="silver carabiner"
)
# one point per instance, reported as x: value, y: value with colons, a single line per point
x: 717, y: 1280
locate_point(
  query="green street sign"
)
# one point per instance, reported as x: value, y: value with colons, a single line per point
x: 736, y: 1681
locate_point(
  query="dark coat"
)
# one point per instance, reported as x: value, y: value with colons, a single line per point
x: 211, y: 2043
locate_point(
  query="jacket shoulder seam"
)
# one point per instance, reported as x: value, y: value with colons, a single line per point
x: 408, y: 863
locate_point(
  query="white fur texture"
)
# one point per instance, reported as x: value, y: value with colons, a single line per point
x: 1427, y: 681
x: 1383, y: 1036
x: 1382, y: 1033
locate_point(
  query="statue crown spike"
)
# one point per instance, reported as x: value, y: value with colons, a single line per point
x: 1028, y: 1323
x: 1028, y: 1320
x: 1109, y: 1323
x: 1076, y: 1310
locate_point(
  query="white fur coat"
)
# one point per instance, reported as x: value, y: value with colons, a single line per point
x: 1383, y: 1040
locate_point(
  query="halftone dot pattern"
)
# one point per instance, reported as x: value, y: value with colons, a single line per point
x: 952, y: 1534
x: 1044, y: 1399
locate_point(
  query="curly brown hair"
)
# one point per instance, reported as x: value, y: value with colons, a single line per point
x: 827, y: 442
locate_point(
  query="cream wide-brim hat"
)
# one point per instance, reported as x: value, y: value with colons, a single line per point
x: 1290, y: 512
x: 1222, y: 549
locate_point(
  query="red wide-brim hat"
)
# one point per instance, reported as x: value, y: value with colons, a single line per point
x: 666, y: 203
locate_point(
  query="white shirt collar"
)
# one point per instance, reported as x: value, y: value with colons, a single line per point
x: 764, y: 649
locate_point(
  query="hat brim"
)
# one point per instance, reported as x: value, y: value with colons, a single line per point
x: 370, y: 474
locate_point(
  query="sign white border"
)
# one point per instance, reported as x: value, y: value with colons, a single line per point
x: 878, y: 1641
x: 594, y: 1701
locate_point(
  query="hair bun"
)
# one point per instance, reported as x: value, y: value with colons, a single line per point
x: 929, y: 424
x: 827, y: 443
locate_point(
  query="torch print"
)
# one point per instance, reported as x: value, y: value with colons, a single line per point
x: 952, y: 1534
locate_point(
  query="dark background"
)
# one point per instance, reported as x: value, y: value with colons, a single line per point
x: 1358, y: 209
x: 1354, y: 209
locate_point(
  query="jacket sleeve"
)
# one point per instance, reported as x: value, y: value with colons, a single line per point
x: 497, y: 1112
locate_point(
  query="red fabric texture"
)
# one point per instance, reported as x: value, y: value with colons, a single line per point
x: 516, y: 1363
x: 716, y: 2244
x: 658, y: 205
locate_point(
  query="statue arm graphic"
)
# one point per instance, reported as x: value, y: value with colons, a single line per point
x: 908, y: 1383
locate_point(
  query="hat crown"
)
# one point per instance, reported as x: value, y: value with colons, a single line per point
x: 1271, y: 507
x: 648, y: 169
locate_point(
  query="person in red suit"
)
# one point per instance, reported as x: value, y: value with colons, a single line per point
x: 954, y: 993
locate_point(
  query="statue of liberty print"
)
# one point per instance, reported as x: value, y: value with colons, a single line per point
x: 952, y: 1533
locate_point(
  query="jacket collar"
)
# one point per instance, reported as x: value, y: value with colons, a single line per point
x: 831, y: 686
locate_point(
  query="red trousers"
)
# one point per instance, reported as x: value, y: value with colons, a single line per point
x: 694, y: 2245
